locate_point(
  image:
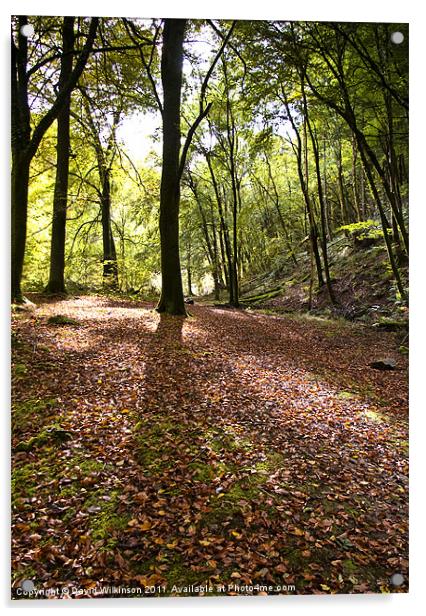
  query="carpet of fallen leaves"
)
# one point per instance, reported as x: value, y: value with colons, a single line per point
x: 227, y: 453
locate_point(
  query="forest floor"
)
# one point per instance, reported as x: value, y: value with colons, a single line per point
x: 230, y: 449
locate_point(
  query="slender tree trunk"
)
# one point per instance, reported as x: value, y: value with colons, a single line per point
x: 347, y: 112
x: 302, y: 170
x: 188, y: 269
x: 355, y: 190
x: 344, y: 209
x: 363, y: 195
x: 56, y: 282
x: 225, y: 241
x: 323, y: 238
x: 276, y: 201
x: 393, y: 176
x: 369, y: 158
x: 216, y: 264
x: 304, y: 182
x: 325, y: 185
x: 110, y: 269
x: 384, y: 222
x: 171, y: 300
x: 104, y: 158
x: 230, y: 131
x: 224, y: 257
x: 211, y: 246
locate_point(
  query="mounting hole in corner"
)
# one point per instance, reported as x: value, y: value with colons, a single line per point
x: 397, y: 38
x: 27, y: 30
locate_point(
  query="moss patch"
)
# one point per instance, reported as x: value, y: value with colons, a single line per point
x: 26, y: 477
x: 202, y: 472
x: 346, y: 395
x: 156, y: 441
x: 373, y: 416
x: 53, y: 434
x: 106, y: 523
x: 23, y: 413
x: 62, y: 319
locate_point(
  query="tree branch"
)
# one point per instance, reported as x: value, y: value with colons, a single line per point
x: 203, y: 110
x: 51, y: 115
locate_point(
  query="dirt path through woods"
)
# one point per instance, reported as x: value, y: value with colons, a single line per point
x: 229, y: 449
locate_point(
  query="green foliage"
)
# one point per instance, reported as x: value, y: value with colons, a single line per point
x: 272, y: 225
x: 367, y: 229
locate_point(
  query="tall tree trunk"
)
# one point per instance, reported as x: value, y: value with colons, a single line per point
x: 325, y: 192
x: 301, y: 153
x: 276, y: 201
x: 104, y: 158
x: 323, y: 240
x: 171, y: 300
x: 369, y: 160
x: 216, y: 266
x: 211, y: 243
x: 344, y: 207
x: 385, y: 224
x: 21, y: 160
x: 188, y: 269
x: 56, y: 282
x: 230, y: 131
x: 355, y: 190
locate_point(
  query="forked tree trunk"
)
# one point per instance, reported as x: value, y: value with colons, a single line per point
x: 25, y: 144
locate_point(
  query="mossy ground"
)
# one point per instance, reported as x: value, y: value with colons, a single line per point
x: 62, y: 319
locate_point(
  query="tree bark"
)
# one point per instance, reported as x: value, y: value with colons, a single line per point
x: 323, y: 239
x: 230, y: 132
x: 56, y: 282
x: 224, y: 235
x: 21, y: 134
x: 110, y: 269
x: 171, y: 300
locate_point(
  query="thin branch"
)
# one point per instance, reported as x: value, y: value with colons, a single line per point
x: 203, y: 110
x: 147, y: 65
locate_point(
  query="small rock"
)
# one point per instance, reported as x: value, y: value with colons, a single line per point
x: 388, y: 363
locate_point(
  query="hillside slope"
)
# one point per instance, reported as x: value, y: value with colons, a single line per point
x: 362, y: 283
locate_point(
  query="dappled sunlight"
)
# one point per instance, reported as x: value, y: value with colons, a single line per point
x: 103, y: 308
x: 214, y: 427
